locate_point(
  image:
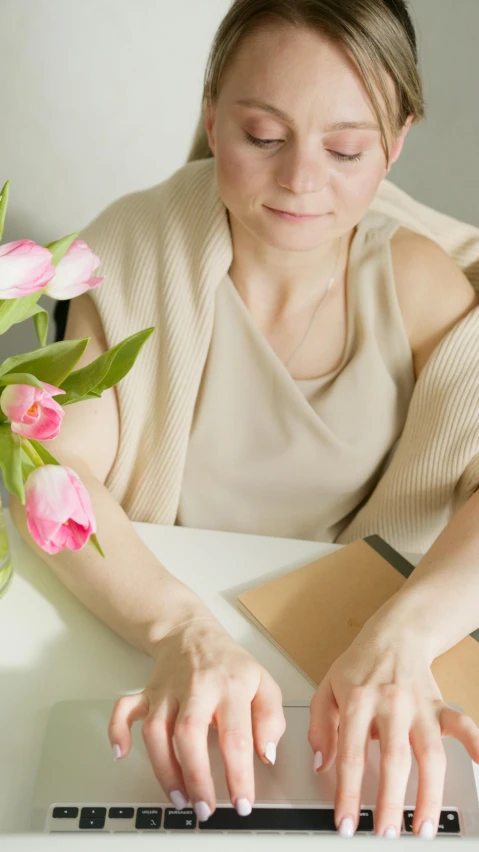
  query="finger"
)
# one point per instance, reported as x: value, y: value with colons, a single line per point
x: 393, y: 721
x: 127, y: 709
x: 157, y: 734
x: 425, y: 737
x: 191, y: 745
x: 353, y: 737
x: 235, y: 736
x: 323, y: 727
x: 268, y: 720
x: 455, y: 723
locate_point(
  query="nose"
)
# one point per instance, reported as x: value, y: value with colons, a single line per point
x: 303, y: 171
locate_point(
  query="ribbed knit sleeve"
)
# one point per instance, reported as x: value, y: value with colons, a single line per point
x: 435, y: 466
x: 162, y: 250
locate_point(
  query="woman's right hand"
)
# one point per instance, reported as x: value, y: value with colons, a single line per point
x: 202, y: 677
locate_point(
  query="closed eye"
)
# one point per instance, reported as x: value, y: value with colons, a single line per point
x: 268, y: 143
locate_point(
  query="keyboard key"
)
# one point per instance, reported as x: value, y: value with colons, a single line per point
x: 185, y: 819
x: 366, y: 822
x: 448, y: 822
x: 65, y: 813
x: 92, y: 822
x: 93, y: 813
x: 147, y: 818
x: 121, y: 813
x: 279, y: 819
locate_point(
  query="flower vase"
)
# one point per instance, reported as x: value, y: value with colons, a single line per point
x: 6, y: 567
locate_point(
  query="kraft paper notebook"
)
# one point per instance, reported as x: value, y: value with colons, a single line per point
x: 313, y: 614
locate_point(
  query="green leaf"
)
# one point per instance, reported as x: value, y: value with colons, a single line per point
x: 43, y: 453
x: 60, y: 247
x: 50, y: 364
x: 3, y: 206
x: 21, y: 379
x: 27, y: 464
x: 40, y: 318
x: 13, y: 311
x: 105, y: 372
x: 93, y: 540
x: 11, y: 461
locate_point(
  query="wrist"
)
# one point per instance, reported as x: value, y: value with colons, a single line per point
x: 190, y: 617
x: 400, y: 624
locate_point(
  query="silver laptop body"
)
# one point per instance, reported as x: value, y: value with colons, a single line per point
x: 80, y: 788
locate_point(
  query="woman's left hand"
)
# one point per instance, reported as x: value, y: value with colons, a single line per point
x: 383, y: 688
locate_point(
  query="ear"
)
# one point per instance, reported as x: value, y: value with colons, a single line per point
x: 399, y: 143
x: 210, y: 115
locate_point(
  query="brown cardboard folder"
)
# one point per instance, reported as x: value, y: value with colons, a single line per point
x: 312, y: 614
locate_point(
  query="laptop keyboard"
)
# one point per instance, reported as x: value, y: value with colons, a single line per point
x: 141, y: 818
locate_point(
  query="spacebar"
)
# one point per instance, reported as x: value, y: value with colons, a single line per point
x: 280, y: 819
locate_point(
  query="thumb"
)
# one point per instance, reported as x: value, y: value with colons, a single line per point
x: 268, y: 720
x: 127, y: 709
x: 323, y: 726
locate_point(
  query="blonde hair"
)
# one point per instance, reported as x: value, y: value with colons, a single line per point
x: 378, y: 34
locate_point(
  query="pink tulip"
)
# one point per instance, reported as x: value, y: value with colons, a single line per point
x: 32, y: 412
x: 24, y: 269
x: 59, y: 510
x: 73, y: 274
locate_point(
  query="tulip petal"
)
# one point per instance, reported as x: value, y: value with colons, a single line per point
x: 16, y: 400
x: 52, y: 390
x: 59, y: 510
x: 74, y: 272
x: 25, y: 268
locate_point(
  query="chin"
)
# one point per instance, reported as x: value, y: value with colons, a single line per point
x: 279, y: 238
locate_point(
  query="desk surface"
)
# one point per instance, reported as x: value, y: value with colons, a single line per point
x: 52, y: 648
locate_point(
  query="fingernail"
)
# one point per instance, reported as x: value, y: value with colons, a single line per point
x: 318, y: 760
x: 202, y: 811
x: 243, y: 807
x: 178, y: 799
x: 346, y: 829
x: 391, y: 832
x: 270, y: 752
x: 116, y: 751
x: 427, y: 830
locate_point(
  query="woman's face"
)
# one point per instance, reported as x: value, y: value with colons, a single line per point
x: 306, y: 166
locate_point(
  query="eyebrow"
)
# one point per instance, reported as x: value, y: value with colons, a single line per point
x: 339, y: 125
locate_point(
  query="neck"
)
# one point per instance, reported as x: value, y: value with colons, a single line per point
x: 276, y: 283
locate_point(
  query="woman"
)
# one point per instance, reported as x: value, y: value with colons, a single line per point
x: 289, y: 347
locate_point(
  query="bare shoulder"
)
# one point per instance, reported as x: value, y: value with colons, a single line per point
x: 433, y: 292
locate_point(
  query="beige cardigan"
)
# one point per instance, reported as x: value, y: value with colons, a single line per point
x: 164, y: 250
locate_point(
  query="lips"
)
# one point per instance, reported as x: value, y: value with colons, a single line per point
x: 295, y: 213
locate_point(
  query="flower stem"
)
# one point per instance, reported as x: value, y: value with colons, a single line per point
x: 31, y: 452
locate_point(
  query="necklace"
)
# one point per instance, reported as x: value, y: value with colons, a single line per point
x: 328, y: 289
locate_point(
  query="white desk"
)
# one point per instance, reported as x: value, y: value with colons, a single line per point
x: 52, y: 648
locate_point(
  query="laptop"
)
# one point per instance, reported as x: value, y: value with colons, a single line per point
x: 80, y: 789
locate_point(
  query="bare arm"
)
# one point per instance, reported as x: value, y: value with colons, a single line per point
x: 129, y: 590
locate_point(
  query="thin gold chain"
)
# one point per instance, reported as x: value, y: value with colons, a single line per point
x: 323, y: 297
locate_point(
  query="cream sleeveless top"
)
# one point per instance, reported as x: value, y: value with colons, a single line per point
x: 271, y: 455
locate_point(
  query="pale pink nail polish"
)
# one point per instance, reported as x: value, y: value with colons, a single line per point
x: 116, y: 751
x: 178, y: 800
x: 427, y: 830
x: 202, y: 811
x: 346, y: 829
x: 243, y: 807
x: 391, y: 833
x: 270, y: 752
x: 318, y: 761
